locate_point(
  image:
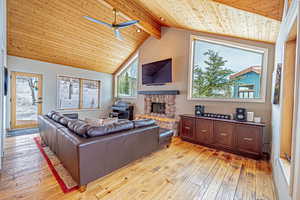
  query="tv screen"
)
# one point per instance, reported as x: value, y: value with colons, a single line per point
x: 158, y: 73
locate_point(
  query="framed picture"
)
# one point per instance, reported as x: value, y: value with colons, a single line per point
x: 276, y: 97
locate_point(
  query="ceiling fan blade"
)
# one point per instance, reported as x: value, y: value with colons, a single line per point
x: 118, y: 34
x: 98, y: 21
x: 126, y: 24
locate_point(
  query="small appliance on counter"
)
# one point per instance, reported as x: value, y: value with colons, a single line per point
x: 250, y: 116
x: 217, y: 116
x: 199, y: 110
x: 257, y: 119
x: 241, y: 114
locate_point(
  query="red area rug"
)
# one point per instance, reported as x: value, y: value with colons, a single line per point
x: 62, y: 176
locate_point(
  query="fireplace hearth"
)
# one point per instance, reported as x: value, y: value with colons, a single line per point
x: 159, y: 108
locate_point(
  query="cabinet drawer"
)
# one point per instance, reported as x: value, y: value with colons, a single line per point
x: 223, y: 134
x: 249, y: 139
x: 187, y: 127
x: 204, y: 131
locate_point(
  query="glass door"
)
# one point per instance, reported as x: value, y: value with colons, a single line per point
x: 26, y: 99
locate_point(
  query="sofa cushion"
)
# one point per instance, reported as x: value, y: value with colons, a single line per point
x: 94, y: 131
x: 93, y: 121
x: 143, y: 122
x: 79, y: 127
x: 65, y: 120
x: 100, y: 122
x: 57, y: 116
x: 51, y: 113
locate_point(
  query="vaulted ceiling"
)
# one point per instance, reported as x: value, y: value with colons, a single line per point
x: 56, y: 32
x: 268, y: 8
x: 214, y: 17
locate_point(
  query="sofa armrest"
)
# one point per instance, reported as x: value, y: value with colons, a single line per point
x: 67, y: 152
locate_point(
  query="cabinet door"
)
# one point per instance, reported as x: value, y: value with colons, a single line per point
x: 204, y: 131
x: 249, y: 139
x: 223, y: 134
x: 187, y: 127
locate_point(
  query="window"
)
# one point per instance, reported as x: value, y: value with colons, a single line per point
x: 90, y: 91
x: 246, y: 91
x: 68, y: 92
x: 76, y: 93
x: 126, y: 80
x: 222, y: 70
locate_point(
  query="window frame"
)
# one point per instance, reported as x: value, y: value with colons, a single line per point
x: 264, y: 73
x: 80, y: 93
x: 125, y: 66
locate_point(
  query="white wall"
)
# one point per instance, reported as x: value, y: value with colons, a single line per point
x: 175, y: 44
x: 284, y: 190
x: 2, y: 64
x: 51, y: 71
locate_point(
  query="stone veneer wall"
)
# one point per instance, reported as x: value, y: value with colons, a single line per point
x: 169, y: 100
x: 167, y: 120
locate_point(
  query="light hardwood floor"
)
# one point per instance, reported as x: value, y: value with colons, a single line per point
x: 183, y: 171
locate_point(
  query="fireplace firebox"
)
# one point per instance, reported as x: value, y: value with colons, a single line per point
x: 159, y: 108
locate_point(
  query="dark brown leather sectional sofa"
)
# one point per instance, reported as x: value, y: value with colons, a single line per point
x: 90, y: 152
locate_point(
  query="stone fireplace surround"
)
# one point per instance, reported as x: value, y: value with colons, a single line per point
x: 169, y: 101
x: 162, y: 96
x: 168, y: 119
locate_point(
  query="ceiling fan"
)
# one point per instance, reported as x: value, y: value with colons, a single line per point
x: 114, y: 25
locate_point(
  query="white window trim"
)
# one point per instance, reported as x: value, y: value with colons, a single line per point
x: 125, y: 66
x: 78, y: 109
x: 262, y: 99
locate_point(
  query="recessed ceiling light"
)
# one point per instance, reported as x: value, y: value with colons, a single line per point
x: 138, y: 30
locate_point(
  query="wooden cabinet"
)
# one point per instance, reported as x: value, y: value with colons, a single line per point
x: 249, y: 139
x: 204, y: 131
x: 223, y: 134
x: 187, y: 128
x: 244, y: 138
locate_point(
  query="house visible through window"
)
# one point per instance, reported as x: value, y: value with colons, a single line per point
x: 225, y: 70
x: 246, y: 91
x: 76, y: 93
x: 127, y: 80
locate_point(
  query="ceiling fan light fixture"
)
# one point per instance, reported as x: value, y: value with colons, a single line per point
x: 114, y: 25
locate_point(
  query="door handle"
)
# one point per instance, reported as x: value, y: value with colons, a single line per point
x: 223, y: 134
x: 248, y: 139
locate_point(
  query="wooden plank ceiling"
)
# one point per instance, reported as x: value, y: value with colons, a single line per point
x: 214, y: 17
x: 56, y: 32
x: 268, y: 8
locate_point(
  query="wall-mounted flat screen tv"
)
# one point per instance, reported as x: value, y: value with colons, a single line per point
x: 157, y: 73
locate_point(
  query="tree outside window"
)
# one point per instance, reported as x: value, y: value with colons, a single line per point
x: 221, y: 70
x: 127, y: 80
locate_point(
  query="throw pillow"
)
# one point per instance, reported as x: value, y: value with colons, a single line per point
x: 79, y: 127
